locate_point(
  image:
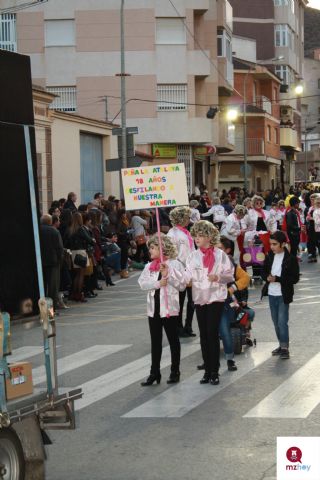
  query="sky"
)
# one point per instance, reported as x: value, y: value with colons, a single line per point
x: 314, y: 4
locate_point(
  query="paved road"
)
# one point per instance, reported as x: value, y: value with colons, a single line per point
x: 187, y: 431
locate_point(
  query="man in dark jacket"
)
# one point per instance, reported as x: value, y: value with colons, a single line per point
x: 293, y: 225
x: 281, y: 272
x: 52, y: 253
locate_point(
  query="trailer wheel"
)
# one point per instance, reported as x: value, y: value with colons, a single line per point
x: 12, y: 464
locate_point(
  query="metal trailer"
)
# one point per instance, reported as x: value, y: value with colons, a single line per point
x: 24, y: 422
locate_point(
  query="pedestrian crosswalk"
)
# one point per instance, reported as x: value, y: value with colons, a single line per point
x: 296, y: 397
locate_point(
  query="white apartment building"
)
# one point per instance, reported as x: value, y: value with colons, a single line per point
x: 178, y: 61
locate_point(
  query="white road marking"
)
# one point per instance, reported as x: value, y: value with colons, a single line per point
x: 24, y: 353
x: 111, y: 382
x: 77, y: 360
x: 178, y: 400
x: 294, y: 398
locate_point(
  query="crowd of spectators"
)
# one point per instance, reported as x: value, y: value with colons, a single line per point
x: 86, y: 246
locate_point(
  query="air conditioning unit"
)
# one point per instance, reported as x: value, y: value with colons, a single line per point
x: 286, y: 115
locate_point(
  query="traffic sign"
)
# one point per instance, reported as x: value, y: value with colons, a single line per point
x: 130, y: 131
x: 115, y: 164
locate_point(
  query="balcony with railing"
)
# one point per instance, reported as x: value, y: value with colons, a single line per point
x: 264, y: 103
x: 289, y: 138
x: 255, y: 146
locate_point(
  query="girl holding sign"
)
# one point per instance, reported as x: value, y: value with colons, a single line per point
x: 163, y: 306
x: 210, y: 270
x: 180, y: 219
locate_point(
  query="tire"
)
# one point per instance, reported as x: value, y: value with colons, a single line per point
x: 237, y: 340
x: 12, y: 463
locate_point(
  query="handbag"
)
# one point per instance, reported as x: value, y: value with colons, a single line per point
x: 140, y: 240
x: 80, y: 259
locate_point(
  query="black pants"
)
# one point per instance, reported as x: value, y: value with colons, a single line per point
x: 123, y: 244
x: 51, y: 279
x: 294, y: 244
x: 170, y: 326
x: 209, y: 317
x: 190, y: 308
x: 312, y: 243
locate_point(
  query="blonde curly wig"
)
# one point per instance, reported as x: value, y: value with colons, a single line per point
x: 240, y: 210
x: 203, y: 228
x: 257, y: 198
x: 168, y: 247
x: 246, y: 201
x: 179, y: 215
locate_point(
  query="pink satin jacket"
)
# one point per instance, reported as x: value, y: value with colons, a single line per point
x: 148, y: 281
x: 205, y: 292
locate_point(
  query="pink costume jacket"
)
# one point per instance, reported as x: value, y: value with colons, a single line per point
x: 269, y: 221
x: 148, y: 280
x: 232, y: 227
x: 218, y: 213
x: 181, y: 241
x: 205, y: 292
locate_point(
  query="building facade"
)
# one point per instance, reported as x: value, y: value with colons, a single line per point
x: 258, y: 106
x: 71, y: 153
x: 308, y: 162
x: 178, y: 62
x: 278, y: 28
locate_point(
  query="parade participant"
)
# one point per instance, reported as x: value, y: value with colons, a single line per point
x: 217, y: 212
x: 235, y: 227
x: 312, y: 238
x: 195, y: 214
x: 240, y: 282
x: 292, y: 225
x: 316, y: 218
x: 260, y: 223
x: 210, y: 270
x: 281, y: 272
x: 161, y: 303
x: 281, y: 211
x: 180, y: 219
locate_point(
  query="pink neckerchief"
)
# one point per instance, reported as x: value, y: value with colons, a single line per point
x: 261, y: 212
x: 208, y: 258
x: 155, y: 264
x: 186, y: 232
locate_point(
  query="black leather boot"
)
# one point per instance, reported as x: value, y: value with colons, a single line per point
x: 205, y: 379
x: 174, y: 377
x: 153, y: 377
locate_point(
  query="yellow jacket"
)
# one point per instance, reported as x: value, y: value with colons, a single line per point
x: 242, y: 278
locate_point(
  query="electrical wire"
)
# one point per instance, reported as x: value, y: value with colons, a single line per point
x: 200, y: 46
x: 23, y: 6
x: 220, y: 106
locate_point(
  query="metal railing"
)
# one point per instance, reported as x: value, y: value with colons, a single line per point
x: 172, y: 97
x: 264, y: 103
x: 8, y: 32
x: 66, y: 100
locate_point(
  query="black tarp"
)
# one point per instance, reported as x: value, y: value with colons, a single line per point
x: 18, y: 272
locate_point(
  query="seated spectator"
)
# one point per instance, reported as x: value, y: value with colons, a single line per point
x: 112, y: 252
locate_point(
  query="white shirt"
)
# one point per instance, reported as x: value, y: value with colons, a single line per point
x: 275, y: 287
x: 195, y: 215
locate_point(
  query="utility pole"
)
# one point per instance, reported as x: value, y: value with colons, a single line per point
x: 245, y: 150
x: 106, y: 108
x: 123, y: 92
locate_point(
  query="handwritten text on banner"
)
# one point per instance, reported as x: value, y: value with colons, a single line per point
x: 155, y: 186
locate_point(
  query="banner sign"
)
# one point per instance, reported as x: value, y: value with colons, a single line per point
x: 164, y: 150
x: 155, y: 186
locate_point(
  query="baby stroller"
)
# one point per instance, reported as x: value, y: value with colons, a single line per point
x: 254, y: 257
x: 241, y: 326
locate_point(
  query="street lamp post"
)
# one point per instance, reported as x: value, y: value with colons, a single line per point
x: 245, y: 149
x: 123, y: 92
